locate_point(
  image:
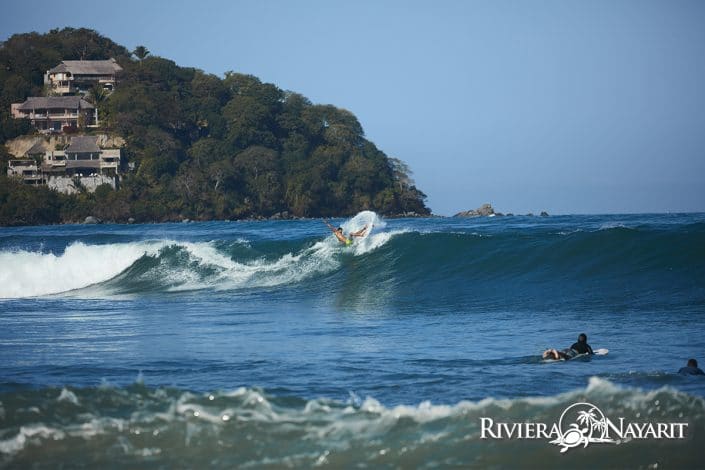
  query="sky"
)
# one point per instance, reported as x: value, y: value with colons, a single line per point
x: 565, y: 106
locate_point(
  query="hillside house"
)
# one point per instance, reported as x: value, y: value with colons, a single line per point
x: 25, y: 168
x: 84, y: 157
x: 82, y: 161
x: 79, y: 76
x: 55, y: 113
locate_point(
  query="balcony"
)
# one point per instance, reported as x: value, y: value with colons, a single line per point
x: 22, y: 165
x: 93, y: 78
x: 108, y: 164
x: 39, y: 116
x: 54, y: 164
x: 62, y: 89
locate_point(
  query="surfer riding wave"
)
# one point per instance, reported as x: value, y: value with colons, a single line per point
x: 338, y: 232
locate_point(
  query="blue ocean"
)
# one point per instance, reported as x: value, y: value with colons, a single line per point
x: 268, y: 344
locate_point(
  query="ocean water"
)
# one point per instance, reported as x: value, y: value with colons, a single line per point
x: 267, y: 344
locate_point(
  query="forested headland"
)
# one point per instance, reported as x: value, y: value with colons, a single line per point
x: 200, y: 146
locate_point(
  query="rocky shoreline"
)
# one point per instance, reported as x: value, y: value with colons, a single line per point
x: 485, y: 210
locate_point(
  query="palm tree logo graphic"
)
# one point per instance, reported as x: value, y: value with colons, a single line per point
x: 588, y: 425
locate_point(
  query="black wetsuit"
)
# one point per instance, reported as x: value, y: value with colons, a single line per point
x: 581, y: 347
x: 567, y: 354
x: 689, y: 370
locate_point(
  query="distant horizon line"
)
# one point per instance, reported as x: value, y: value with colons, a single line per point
x: 432, y: 216
x: 532, y: 214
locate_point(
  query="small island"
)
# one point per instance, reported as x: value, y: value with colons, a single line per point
x: 127, y: 136
x: 486, y: 210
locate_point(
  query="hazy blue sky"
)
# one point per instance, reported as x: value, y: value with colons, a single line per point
x: 565, y: 106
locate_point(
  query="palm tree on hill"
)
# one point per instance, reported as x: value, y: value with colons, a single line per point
x: 141, y: 52
x: 98, y: 94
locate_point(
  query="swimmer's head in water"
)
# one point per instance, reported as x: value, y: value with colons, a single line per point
x: 582, y: 338
x: 692, y: 363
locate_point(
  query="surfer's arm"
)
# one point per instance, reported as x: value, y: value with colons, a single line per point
x: 360, y: 232
x: 332, y: 229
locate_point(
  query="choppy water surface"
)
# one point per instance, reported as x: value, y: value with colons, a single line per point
x: 268, y: 344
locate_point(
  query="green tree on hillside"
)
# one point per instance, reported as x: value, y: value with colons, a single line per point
x: 140, y: 52
x: 205, y: 147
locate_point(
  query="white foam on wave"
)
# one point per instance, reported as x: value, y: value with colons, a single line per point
x: 376, y: 236
x: 28, y: 433
x: 362, y: 219
x: 321, y: 258
x: 263, y: 272
x: 426, y: 411
x: 614, y: 225
x: 68, y: 396
x: 32, y: 274
x: 83, y: 268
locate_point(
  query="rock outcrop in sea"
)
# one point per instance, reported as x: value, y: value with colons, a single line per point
x: 484, y: 210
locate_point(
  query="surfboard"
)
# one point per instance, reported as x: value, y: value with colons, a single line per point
x: 601, y: 352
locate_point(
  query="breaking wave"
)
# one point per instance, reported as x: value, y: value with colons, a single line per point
x: 28, y: 274
x: 248, y: 427
x: 601, y: 260
x: 164, y: 265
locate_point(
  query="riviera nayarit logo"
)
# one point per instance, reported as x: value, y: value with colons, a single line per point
x: 582, y: 424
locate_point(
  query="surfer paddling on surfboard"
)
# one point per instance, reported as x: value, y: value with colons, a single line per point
x: 579, y: 348
x: 338, y: 232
